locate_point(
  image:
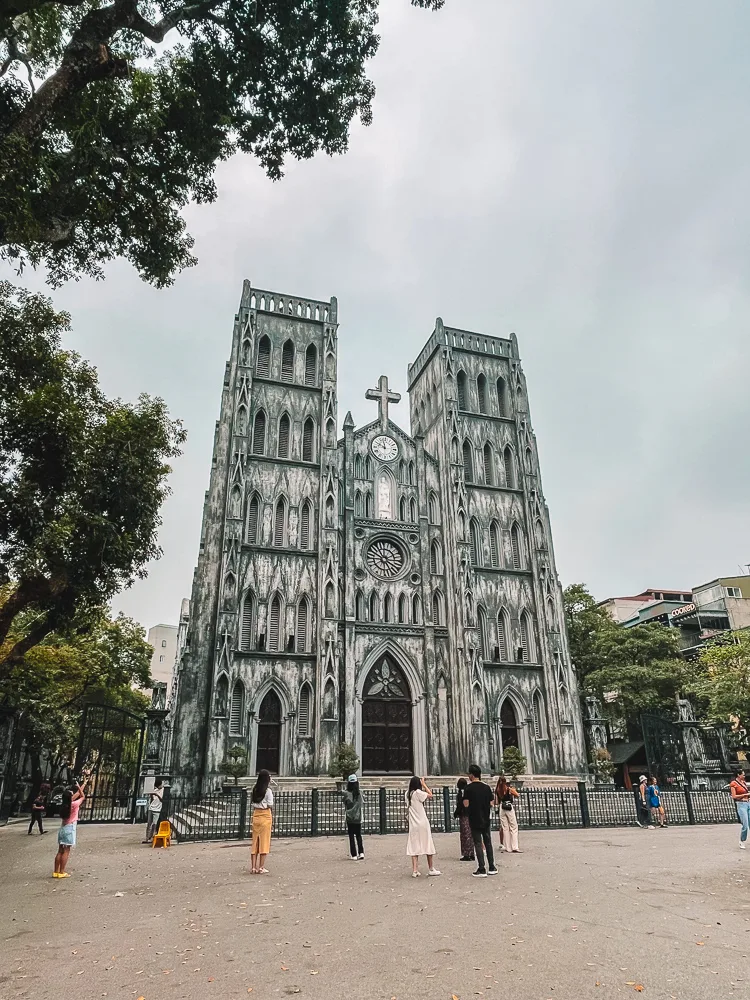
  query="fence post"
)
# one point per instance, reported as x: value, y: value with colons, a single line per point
x: 447, y: 808
x: 689, y: 804
x: 243, y: 814
x: 383, y: 810
x: 314, y: 812
x: 584, y: 797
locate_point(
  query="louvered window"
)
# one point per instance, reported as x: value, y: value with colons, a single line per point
x: 475, y: 543
x: 538, y: 713
x: 502, y: 635
x: 501, y: 404
x: 279, y: 524
x: 274, y: 624
x: 308, y: 433
x: 494, y: 544
x: 525, y: 638
x: 311, y: 365
x: 302, y: 625
x: 468, y: 463
x: 287, y: 362
x: 263, y: 366
x: 437, y: 609
x: 461, y: 383
x: 433, y: 508
x: 304, y: 526
x: 435, y: 558
x: 246, y: 623
x: 482, y: 624
x: 237, y: 710
x: 489, y: 466
x: 253, y: 519
x: 284, y: 437
x: 510, y: 473
x: 259, y: 433
x: 303, y: 722
x: 515, y: 546
x: 482, y: 393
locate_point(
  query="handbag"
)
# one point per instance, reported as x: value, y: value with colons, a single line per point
x: 507, y: 804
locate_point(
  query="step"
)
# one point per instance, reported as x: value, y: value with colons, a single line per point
x: 293, y: 783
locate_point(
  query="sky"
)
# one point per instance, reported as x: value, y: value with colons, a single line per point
x: 576, y: 172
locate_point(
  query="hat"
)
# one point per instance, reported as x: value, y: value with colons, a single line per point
x: 643, y: 778
x: 352, y: 777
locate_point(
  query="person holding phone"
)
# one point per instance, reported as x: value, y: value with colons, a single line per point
x: 66, y: 837
x: 741, y: 797
x: 419, y: 840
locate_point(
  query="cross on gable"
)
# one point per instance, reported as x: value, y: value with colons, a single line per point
x: 384, y: 396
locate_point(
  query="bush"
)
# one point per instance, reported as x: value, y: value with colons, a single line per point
x: 601, y: 765
x: 234, y: 764
x: 513, y: 762
x: 345, y: 761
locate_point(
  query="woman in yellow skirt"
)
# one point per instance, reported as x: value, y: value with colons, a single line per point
x: 261, y: 800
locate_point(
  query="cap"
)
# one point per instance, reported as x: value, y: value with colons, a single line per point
x: 643, y: 778
x: 352, y: 777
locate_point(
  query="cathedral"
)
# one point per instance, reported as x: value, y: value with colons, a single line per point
x: 395, y: 591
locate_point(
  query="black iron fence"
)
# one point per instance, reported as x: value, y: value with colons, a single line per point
x: 320, y: 812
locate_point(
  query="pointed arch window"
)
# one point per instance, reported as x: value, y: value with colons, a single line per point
x: 502, y: 406
x: 432, y: 506
x: 287, y: 362
x: 537, y: 711
x: 527, y: 638
x: 402, y: 509
x: 237, y: 709
x: 550, y: 613
x: 330, y: 601
x: 259, y: 433
x: 475, y: 542
x: 241, y: 423
x: 416, y: 610
x: 539, y: 533
x: 330, y: 434
x: 221, y: 698
x: 483, y: 633
x: 529, y: 460
x: 468, y: 460
x: 516, y: 547
x: 279, y: 524
x: 508, y: 725
x: 253, y: 520
x: 274, y: 624
x: 413, y: 510
x: 403, y: 610
x: 263, y: 362
x: 368, y: 504
x: 235, y: 502
x: 305, y: 525
x: 308, y: 440
x: 359, y: 606
x: 303, y: 717
x: 283, y: 448
x: 388, y: 608
x: 462, y: 393
x: 368, y: 467
x: 329, y: 699
x: 489, y: 465
x: 510, y: 468
x: 302, y: 632
x: 494, y: 544
x: 477, y: 704
x: 358, y: 473
x: 402, y: 477
x: 437, y: 608
x: 436, y: 561
x: 502, y: 634
x: 482, y: 393
x: 374, y: 607
x: 357, y: 503
x: 412, y: 477
x: 311, y: 365
x: 247, y: 619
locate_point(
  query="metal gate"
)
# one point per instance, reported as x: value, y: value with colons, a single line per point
x: 110, y: 747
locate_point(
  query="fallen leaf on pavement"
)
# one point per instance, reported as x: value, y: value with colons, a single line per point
x: 700, y: 943
x: 284, y: 968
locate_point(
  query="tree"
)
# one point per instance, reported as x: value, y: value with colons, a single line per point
x: 627, y: 689
x: 586, y: 622
x: 601, y: 764
x: 721, y: 679
x: 513, y: 762
x: 345, y: 761
x: 82, y: 481
x: 234, y: 764
x: 99, y: 158
x: 51, y: 683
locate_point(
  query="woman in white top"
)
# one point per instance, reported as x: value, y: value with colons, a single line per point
x: 261, y: 800
x: 419, y: 840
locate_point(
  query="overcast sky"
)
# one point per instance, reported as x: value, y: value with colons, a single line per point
x: 573, y: 170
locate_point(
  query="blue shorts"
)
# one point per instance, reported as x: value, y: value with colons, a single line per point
x: 67, y: 835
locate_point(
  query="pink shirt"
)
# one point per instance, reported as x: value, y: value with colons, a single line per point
x: 74, y: 809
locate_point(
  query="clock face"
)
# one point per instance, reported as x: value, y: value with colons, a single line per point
x: 384, y: 448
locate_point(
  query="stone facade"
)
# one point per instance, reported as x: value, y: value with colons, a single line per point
x: 397, y: 592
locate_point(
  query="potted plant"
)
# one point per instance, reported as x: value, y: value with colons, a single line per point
x: 345, y: 762
x: 602, y: 765
x: 234, y: 766
x: 514, y: 763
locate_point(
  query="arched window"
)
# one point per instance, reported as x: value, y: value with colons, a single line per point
x: 484, y: 649
x: 436, y: 560
x: 357, y: 503
x: 510, y: 468
x: 529, y: 460
x: 437, y: 608
x: 305, y: 525
x: 516, y: 547
x: 527, y: 638
x: 403, y: 610
x: 287, y: 362
x: 283, y: 442
x: 386, y: 496
x: 329, y: 699
x: 259, y: 433
x: 494, y: 544
x: 235, y: 502
x: 279, y: 524
x: 237, y: 710
x: 311, y: 365
x: 241, y: 423
x: 461, y: 526
x: 368, y: 467
x: 330, y: 512
x: 247, y: 618
x: 402, y: 474
x: 253, y: 520
x: 330, y: 601
x: 308, y: 440
x: 502, y: 407
x: 359, y: 606
x: 388, y: 608
x: 413, y: 510
x: 550, y: 613
x: 508, y: 725
x: 539, y: 533
x: 274, y: 624
x: 477, y: 704
x: 468, y: 460
x: 402, y: 509
x: 416, y: 609
x: 358, y: 474
x: 302, y: 632
x: 475, y: 543
x: 489, y: 465
x: 537, y: 712
x: 330, y: 434
x: 263, y: 363
x: 368, y: 504
x: 374, y: 607
x: 502, y: 634
x: 482, y: 393
x: 462, y: 394
x: 432, y: 507
x: 303, y: 717
x: 221, y: 697
x: 412, y: 479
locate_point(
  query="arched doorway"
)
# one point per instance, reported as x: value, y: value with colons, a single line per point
x: 387, y: 720
x: 268, y: 754
x: 509, y: 735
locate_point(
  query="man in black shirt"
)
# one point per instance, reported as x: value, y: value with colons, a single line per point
x: 478, y: 799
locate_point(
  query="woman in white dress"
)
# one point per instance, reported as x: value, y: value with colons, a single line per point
x: 419, y: 840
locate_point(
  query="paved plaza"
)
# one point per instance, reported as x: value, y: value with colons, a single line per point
x: 581, y: 914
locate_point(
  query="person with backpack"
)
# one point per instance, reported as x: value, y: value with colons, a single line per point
x: 353, y: 804
x: 504, y: 796
x: 741, y: 798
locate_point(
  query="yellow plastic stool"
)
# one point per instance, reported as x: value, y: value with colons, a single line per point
x: 164, y: 837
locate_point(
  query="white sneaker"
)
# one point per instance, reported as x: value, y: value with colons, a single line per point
x: 415, y: 874
x: 361, y: 857
x: 433, y: 871
x: 743, y: 845
x: 651, y: 826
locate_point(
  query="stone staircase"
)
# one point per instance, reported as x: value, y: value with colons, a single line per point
x: 324, y: 783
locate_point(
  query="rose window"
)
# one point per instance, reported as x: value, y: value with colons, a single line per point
x: 385, y: 558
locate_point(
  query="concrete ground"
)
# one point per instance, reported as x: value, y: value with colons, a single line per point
x: 581, y: 914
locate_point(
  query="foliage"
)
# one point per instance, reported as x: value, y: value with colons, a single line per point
x: 345, y: 761
x: 627, y: 690
x: 585, y: 622
x: 513, y: 762
x: 721, y: 679
x: 234, y: 764
x: 99, y: 160
x: 102, y: 662
x: 82, y: 481
x: 601, y: 765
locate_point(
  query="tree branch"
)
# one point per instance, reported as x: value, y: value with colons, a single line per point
x: 12, y: 8
x: 41, y: 628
